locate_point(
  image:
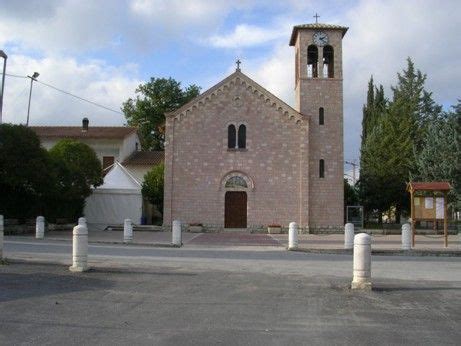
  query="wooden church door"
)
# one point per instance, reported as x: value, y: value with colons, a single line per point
x: 235, y: 215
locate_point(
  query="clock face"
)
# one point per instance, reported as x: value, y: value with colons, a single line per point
x: 320, y: 38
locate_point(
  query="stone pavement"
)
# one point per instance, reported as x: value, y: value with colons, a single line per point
x: 306, y: 241
x: 246, y: 302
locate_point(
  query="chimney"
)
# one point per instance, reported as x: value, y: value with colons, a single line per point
x: 85, y: 123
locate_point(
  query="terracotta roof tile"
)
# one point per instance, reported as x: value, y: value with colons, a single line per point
x: 149, y: 158
x: 430, y: 186
x: 94, y: 132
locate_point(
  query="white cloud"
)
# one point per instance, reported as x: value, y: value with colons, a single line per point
x: 244, y: 36
x: 382, y: 35
x: 94, y: 80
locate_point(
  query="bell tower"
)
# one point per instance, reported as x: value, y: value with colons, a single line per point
x: 319, y: 97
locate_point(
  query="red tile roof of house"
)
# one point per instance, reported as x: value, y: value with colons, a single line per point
x: 429, y: 186
x: 93, y: 132
x: 148, y: 158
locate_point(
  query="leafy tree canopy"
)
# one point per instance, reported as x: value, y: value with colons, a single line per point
x: 152, y: 187
x: 25, y: 175
x: 153, y: 100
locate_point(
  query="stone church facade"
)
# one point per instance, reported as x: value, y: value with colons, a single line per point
x: 239, y: 157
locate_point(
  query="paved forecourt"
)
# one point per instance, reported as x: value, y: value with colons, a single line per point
x: 223, y: 295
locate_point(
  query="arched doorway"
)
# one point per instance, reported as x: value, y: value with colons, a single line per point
x: 235, y: 210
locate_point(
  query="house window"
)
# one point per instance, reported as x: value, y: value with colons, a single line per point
x: 242, y: 136
x: 322, y: 168
x: 107, y: 161
x: 231, y: 137
x: 235, y: 182
x: 321, y: 116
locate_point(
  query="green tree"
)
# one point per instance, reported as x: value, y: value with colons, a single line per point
x: 78, y: 169
x: 439, y: 158
x: 152, y: 187
x: 373, y: 111
x: 392, y: 138
x: 153, y: 100
x: 25, y: 175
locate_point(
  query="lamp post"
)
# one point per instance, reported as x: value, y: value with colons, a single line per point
x: 4, y: 56
x: 34, y: 77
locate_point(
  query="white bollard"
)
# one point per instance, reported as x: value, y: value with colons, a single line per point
x: 349, y: 236
x: 79, y: 249
x: 82, y: 222
x: 2, y: 229
x: 127, y: 231
x: 406, y: 236
x: 362, y: 262
x: 40, y: 227
x: 176, y: 233
x: 293, y: 236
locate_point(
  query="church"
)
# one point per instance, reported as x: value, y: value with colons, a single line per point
x: 238, y: 157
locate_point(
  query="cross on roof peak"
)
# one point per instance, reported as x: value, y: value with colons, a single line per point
x: 238, y: 62
x: 316, y: 17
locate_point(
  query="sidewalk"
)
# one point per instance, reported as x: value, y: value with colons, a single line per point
x: 328, y: 243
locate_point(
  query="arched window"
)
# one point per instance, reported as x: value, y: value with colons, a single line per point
x: 312, y: 61
x: 321, y: 116
x: 236, y: 182
x: 242, y: 136
x: 328, y: 66
x: 321, y: 168
x: 231, y: 137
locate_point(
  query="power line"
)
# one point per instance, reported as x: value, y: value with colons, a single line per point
x: 14, y: 75
x: 67, y: 93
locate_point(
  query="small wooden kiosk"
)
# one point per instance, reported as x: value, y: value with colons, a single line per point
x: 429, y: 203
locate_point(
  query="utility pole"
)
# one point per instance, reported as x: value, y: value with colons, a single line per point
x: 34, y: 77
x: 4, y: 56
x: 354, y: 166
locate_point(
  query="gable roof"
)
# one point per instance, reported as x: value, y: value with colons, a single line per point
x: 145, y: 158
x: 93, y: 132
x: 238, y: 77
x: 318, y: 26
x: 119, y: 178
x: 429, y: 186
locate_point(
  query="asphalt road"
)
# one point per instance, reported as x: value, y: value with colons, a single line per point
x: 228, y: 296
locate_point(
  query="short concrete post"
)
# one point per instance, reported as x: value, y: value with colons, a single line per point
x: 362, y: 262
x: 176, y: 233
x: 406, y: 236
x: 82, y: 222
x: 293, y: 236
x: 2, y: 229
x: 79, y: 249
x: 40, y: 227
x: 349, y: 236
x: 127, y: 231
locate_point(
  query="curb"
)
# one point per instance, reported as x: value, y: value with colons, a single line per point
x: 383, y: 252
x: 164, y: 245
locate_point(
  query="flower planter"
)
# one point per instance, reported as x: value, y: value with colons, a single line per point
x: 196, y: 229
x: 274, y: 229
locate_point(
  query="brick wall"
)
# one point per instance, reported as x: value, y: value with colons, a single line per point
x: 198, y: 160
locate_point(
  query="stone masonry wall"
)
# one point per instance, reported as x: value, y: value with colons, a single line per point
x: 198, y: 160
x: 325, y: 141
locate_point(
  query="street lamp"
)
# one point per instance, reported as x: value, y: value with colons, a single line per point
x: 34, y: 77
x: 4, y: 56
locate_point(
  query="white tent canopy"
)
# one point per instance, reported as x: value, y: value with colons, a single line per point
x: 118, y: 198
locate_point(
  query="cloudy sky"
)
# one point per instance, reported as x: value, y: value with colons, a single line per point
x: 102, y: 49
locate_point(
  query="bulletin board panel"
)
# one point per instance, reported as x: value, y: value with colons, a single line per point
x: 429, y: 208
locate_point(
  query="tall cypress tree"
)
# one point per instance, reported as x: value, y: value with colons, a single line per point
x: 394, y: 131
